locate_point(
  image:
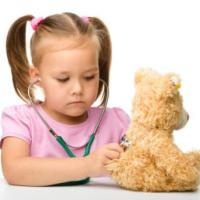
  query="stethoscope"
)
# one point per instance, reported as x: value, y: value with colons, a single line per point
x: 60, y: 140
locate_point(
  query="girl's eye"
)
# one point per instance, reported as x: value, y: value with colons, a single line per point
x: 62, y: 79
x: 88, y: 78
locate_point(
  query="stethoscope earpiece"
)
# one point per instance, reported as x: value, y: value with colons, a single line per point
x: 38, y: 80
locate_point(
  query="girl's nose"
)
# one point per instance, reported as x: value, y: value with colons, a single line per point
x: 77, y: 88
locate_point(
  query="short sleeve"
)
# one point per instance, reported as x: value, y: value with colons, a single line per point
x: 14, y: 122
x: 123, y: 119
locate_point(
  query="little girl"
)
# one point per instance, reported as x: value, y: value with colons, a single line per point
x: 71, y: 61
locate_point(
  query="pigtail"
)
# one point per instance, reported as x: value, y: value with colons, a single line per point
x: 17, y: 56
x: 105, y: 54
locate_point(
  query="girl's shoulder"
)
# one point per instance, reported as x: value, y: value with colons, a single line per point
x: 16, y: 122
x: 18, y: 114
x: 20, y: 110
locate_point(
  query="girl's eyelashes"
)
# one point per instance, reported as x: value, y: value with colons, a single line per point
x: 87, y: 78
x: 62, y: 79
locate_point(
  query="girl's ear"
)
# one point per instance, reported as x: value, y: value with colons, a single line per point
x: 34, y: 74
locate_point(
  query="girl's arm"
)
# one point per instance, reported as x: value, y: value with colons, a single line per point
x: 19, y: 168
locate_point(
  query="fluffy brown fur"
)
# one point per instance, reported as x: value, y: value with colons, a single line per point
x: 153, y: 162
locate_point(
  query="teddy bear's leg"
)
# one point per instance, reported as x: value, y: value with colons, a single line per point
x: 176, y: 163
x: 183, y: 186
x: 194, y: 158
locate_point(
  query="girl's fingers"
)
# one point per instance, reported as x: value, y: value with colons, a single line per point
x: 112, y: 154
x: 106, y: 161
x: 115, y: 147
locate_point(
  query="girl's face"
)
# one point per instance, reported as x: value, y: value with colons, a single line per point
x: 69, y: 75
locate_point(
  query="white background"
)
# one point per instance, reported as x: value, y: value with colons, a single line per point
x: 163, y: 35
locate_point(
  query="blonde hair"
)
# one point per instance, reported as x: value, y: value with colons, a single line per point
x: 67, y: 25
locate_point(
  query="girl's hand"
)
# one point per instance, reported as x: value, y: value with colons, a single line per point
x: 97, y: 160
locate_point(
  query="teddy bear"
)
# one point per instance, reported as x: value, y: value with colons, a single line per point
x: 151, y: 160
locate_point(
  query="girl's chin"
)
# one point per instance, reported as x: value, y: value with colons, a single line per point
x: 77, y: 112
x: 78, y: 117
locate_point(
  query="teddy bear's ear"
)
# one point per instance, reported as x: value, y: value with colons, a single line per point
x: 138, y: 76
x: 170, y: 85
x: 175, y: 80
x: 145, y: 73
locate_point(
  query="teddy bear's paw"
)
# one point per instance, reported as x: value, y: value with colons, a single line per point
x: 113, y: 166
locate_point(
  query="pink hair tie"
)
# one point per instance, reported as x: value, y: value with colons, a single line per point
x: 35, y: 22
x: 85, y: 19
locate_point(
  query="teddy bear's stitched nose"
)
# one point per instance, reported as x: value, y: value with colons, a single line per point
x: 188, y: 117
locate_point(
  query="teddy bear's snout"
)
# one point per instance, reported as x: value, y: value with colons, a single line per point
x: 184, y: 117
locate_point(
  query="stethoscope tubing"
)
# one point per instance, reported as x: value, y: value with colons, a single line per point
x: 50, y: 128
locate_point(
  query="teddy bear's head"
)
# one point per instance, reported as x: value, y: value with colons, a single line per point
x: 157, y: 102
